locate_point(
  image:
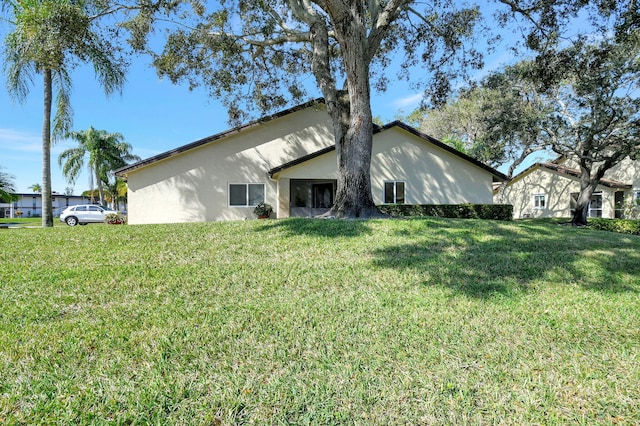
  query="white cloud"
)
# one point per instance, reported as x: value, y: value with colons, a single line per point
x: 16, y: 140
x: 408, y: 101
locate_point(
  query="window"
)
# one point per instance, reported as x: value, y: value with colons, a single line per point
x: 595, y: 205
x: 636, y: 198
x: 246, y: 194
x: 539, y: 201
x: 393, y: 192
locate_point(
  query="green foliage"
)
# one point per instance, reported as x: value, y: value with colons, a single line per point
x: 259, y: 55
x: 104, y: 152
x: 415, y: 321
x: 115, y: 219
x: 36, y: 187
x: 7, y: 188
x: 263, y: 209
x: 460, y: 211
x: 622, y: 226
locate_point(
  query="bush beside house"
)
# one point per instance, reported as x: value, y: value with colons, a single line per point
x: 459, y: 211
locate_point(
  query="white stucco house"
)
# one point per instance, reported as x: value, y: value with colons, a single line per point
x: 288, y: 160
x: 551, y: 190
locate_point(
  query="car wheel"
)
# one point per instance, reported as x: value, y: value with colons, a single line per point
x: 71, y: 221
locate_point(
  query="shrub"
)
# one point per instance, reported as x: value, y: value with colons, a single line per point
x: 115, y: 219
x: 622, y: 226
x: 263, y: 210
x: 460, y: 211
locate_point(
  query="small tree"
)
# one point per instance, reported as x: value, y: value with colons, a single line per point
x: 36, y: 187
x: 7, y: 188
x: 104, y: 151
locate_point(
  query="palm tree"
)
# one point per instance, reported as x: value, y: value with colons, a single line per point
x: 50, y: 37
x: 116, y: 191
x: 7, y: 188
x: 36, y: 187
x: 105, y: 151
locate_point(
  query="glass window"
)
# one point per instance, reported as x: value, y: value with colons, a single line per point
x: 393, y: 192
x: 246, y: 194
x: 256, y: 194
x: 539, y: 201
x: 636, y: 198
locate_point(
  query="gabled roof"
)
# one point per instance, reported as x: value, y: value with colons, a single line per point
x: 377, y: 129
x: 177, y: 151
x: 574, y: 173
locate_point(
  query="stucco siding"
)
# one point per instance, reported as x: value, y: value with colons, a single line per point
x: 556, y: 189
x: 432, y: 175
x: 193, y: 186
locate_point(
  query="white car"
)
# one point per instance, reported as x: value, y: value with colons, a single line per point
x: 83, y: 214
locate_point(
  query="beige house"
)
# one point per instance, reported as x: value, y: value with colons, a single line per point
x: 551, y: 190
x: 288, y: 160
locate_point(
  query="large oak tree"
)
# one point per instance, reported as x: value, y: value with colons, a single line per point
x: 261, y: 53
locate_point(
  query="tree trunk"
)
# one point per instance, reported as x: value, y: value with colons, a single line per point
x: 47, y: 207
x: 587, y: 188
x: 100, y: 188
x: 353, y: 149
x: 351, y: 116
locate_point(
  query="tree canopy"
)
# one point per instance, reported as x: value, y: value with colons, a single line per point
x: 104, y: 152
x: 7, y: 187
x: 262, y: 53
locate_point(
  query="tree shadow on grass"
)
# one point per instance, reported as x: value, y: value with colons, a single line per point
x: 326, y: 228
x: 489, y: 259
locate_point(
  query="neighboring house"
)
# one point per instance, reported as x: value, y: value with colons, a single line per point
x: 551, y: 190
x: 30, y: 205
x: 288, y: 160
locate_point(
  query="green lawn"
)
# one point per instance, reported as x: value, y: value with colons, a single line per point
x: 423, y: 321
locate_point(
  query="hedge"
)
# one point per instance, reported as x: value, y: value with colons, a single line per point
x: 460, y: 211
x: 623, y: 226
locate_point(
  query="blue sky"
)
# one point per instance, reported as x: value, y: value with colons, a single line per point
x: 153, y: 115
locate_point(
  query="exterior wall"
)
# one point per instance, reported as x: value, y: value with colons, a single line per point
x: 556, y: 188
x: 193, y: 186
x: 431, y: 174
x: 559, y: 187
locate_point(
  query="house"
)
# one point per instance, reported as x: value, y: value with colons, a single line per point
x: 551, y: 190
x: 30, y: 204
x: 288, y: 160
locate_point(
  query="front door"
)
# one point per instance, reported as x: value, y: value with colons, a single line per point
x: 322, y: 195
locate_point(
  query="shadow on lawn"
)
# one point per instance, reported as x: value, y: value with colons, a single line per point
x: 328, y: 228
x: 490, y: 259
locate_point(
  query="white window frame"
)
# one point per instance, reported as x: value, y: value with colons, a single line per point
x: 593, y: 212
x: 395, y: 191
x: 536, y: 201
x: 246, y: 184
x: 636, y: 197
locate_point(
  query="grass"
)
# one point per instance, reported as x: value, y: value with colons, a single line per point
x: 421, y: 321
x: 29, y: 221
